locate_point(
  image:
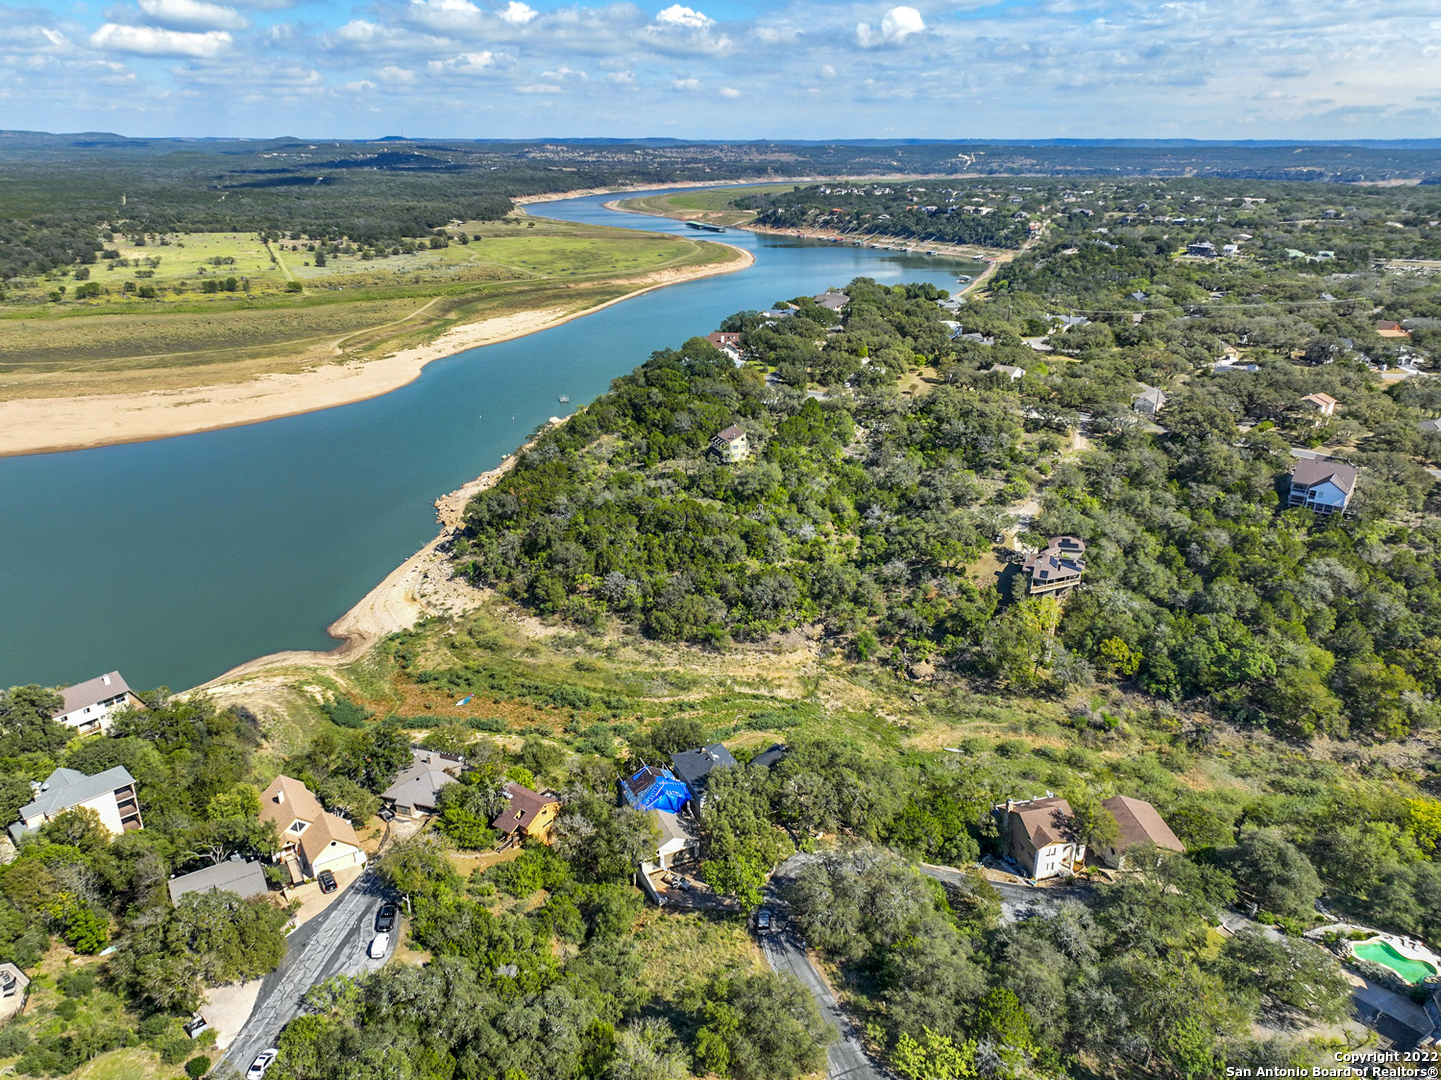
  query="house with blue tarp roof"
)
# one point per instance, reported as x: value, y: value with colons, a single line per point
x: 654, y: 789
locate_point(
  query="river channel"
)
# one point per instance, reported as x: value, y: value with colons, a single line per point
x: 177, y: 559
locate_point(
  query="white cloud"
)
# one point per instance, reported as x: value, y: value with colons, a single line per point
x: 827, y: 72
x: 469, y: 63
x: 393, y: 74
x: 151, y: 41
x: 446, y: 14
x: 538, y: 88
x: 896, y: 25
x: 622, y: 78
x: 729, y: 92
x: 686, y: 84
x: 517, y: 13
x: 560, y: 74
x: 675, y: 15
x: 193, y: 15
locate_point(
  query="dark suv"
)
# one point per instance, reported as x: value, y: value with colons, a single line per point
x: 327, y: 881
x: 385, y: 919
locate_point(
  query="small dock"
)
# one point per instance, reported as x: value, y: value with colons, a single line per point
x: 704, y: 226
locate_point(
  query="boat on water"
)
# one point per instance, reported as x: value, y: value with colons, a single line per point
x: 564, y: 399
x: 704, y: 226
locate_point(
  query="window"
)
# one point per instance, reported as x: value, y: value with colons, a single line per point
x: 298, y: 827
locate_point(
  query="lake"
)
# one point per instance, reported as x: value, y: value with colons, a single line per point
x: 176, y: 560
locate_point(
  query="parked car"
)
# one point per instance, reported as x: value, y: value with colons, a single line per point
x: 195, y: 1025
x: 763, y: 921
x: 385, y: 919
x: 263, y: 1061
x: 380, y: 946
x: 327, y: 881
x: 386, y: 814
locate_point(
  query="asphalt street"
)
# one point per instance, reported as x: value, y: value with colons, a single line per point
x: 335, y: 942
x: 846, y: 1058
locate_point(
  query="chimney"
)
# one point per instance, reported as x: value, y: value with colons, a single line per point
x: 279, y: 796
x: 105, y: 679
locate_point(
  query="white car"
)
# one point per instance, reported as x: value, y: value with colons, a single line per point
x: 380, y: 946
x: 262, y: 1061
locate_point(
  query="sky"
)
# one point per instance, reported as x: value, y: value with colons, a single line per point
x: 725, y: 69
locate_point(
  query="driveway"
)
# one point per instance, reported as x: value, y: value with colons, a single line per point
x: 334, y: 942
x: 1017, y: 901
x: 846, y: 1057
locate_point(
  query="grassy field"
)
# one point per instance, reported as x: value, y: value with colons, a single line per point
x: 349, y: 309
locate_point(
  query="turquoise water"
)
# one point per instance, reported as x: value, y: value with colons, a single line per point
x: 175, y: 560
x: 1381, y: 952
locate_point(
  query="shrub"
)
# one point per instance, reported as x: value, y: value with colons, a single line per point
x: 197, y: 1067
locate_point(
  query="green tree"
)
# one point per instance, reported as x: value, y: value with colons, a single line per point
x: 934, y: 1057
x: 26, y: 724
x: 1275, y: 873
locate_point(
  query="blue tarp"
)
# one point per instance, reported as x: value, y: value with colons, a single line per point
x: 665, y: 792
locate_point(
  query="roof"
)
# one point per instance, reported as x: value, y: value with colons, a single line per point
x: 770, y: 757
x: 328, y: 829
x: 693, y: 767
x: 421, y: 783
x: 673, y: 827
x: 92, y: 692
x: 1140, y: 824
x: 1007, y: 369
x: 731, y: 434
x: 1430, y: 425
x: 1321, y: 399
x: 1059, y: 558
x: 1309, y: 473
x: 65, y: 788
x: 245, y: 879
x: 1153, y: 394
x: 10, y: 972
x: 655, y: 789
x: 287, y: 799
x: 523, y: 806
x: 1045, y: 821
x: 833, y: 299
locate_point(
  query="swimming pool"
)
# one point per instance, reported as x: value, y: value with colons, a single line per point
x: 1381, y: 952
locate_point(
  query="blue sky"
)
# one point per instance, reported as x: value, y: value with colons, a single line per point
x: 1210, y: 69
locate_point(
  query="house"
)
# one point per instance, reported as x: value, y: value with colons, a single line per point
x: 88, y: 705
x: 693, y: 768
x: 13, y: 990
x: 729, y: 344
x: 1010, y: 371
x: 1056, y: 566
x: 1149, y: 401
x: 312, y: 839
x: 1041, y: 836
x: 244, y: 878
x: 1227, y: 366
x: 1323, y: 486
x: 654, y: 789
x: 832, y: 299
x: 770, y: 757
x: 1203, y: 248
x: 678, y: 840
x: 1137, y: 823
x: 416, y: 790
x: 1323, y: 404
x: 527, y: 814
x: 731, y: 444
x: 111, y: 794
x: 1430, y: 427
x: 1388, y: 329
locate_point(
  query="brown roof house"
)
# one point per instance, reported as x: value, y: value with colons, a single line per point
x: 88, y: 705
x: 1041, y: 836
x: 1323, y: 404
x: 1138, y: 823
x: 526, y: 814
x: 312, y: 839
x: 1388, y: 329
x: 1056, y: 566
x: 731, y: 444
x: 1323, y: 487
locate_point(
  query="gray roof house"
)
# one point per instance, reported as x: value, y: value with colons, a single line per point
x: 111, y: 794
x: 1430, y: 425
x: 243, y: 878
x: 694, y: 767
x: 833, y: 299
x: 1323, y: 487
x: 415, y: 791
x: 1149, y: 401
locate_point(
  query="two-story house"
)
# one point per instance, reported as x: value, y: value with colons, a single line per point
x: 527, y: 814
x: 88, y: 705
x: 1149, y: 401
x: 111, y: 794
x: 1323, y: 487
x: 1041, y: 836
x: 693, y: 768
x: 1137, y: 822
x: 1057, y: 566
x: 732, y: 445
x: 311, y: 838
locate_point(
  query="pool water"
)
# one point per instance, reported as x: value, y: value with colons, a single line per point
x: 1379, y: 952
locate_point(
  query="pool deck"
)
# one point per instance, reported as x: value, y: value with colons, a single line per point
x: 1407, y: 947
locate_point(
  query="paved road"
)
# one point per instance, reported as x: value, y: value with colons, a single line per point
x: 1017, y: 901
x: 846, y: 1059
x: 332, y: 943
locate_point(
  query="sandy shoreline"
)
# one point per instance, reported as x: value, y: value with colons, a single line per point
x: 49, y: 425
